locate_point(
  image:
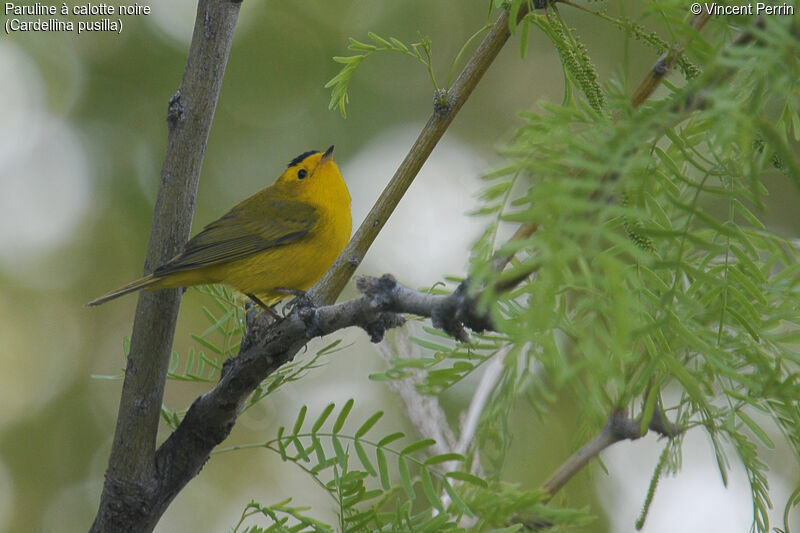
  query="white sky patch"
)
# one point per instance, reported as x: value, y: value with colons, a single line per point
x: 430, y: 234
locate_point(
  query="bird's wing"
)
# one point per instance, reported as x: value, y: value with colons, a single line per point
x: 253, y: 226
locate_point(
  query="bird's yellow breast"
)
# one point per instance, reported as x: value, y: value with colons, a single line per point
x: 295, y: 266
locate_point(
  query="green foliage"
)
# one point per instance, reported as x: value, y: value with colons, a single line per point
x: 284, y: 518
x: 651, y: 273
x: 448, y: 364
x: 420, y: 51
x: 574, y: 56
x: 376, y: 484
x: 389, y: 486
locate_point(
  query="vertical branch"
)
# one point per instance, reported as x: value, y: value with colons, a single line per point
x: 124, y: 504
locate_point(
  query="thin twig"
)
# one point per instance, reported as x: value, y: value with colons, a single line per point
x: 491, y: 376
x: 664, y: 65
x: 618, y: 428
x: 469, y: 426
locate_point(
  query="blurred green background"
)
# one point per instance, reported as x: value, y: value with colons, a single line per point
x: 81, y: 143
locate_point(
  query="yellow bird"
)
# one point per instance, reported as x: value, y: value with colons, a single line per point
x: 281, y: 239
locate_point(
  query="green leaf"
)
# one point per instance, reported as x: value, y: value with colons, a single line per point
x: 430, y: 492
x: 281, y: 445
x: 337, y: 426
x: 380, y: 40
x: 358, y: 46
x: 443, y: 458
x: 332, y: 348
x: 416, y: 446
x: 525, y: 27
x: 207, y: 344
x: 462, y: 506
x: 322, y: 417
x: 390, y: 438
x: 430, y: 345
x: 338, y: 449
x: 362, y: 456
x: 747, y: 214
x: 744, y: 323
x: 398, y: 44
x: 301, y: 451
x: 318, y: 450
x: 298, y: 423
x: 686, y: 379
x: 366, y: 426
x: 383, y: 469
x: 756, y: 429
x: 405, y: 477
x: 648, y: 410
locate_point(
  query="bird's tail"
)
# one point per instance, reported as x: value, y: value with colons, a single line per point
x: 126, y: 289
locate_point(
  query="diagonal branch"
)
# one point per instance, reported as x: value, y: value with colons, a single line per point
x: 332, y: 283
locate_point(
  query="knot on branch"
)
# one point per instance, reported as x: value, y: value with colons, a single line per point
x: 458, y: 310
x: 381, y: 295
x: 620, y: 427
x: 382, y: 323
x: 380, y: 292
x: 663, y: 426
x: 176, y: 111
x: 441, y: 103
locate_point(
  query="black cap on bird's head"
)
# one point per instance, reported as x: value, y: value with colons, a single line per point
x: 302, y: 157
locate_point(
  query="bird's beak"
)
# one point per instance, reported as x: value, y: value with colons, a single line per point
x: 327, y: 155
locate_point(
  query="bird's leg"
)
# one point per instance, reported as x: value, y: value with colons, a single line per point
x: 265, y: 307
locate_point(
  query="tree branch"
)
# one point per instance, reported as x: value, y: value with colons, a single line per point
x: 126, y: 500
x: 269, y: 345
x: 618, y: 428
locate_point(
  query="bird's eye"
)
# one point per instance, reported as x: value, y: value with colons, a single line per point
x: 302, y: 173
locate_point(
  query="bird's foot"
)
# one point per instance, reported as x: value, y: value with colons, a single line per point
x: 300, y: 299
